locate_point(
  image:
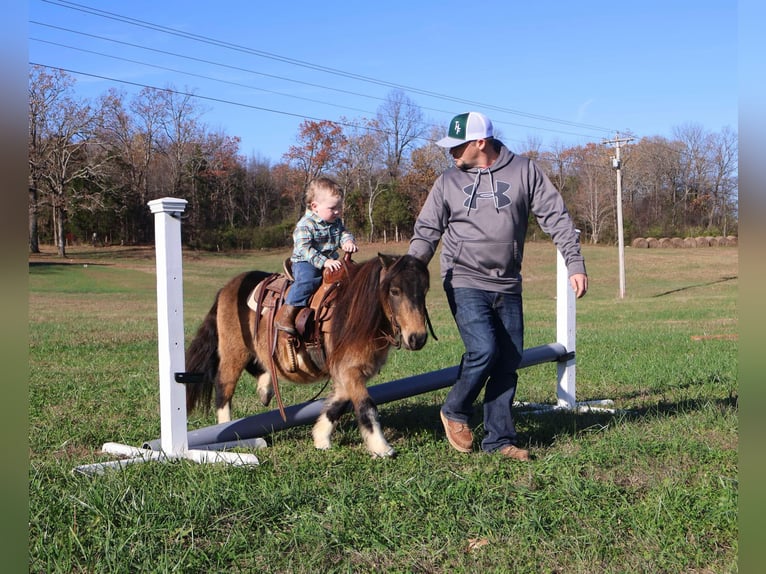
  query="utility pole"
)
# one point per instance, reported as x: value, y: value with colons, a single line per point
x: 618, y: 142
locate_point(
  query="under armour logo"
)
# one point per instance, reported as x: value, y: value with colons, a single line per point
x: 501, y: 198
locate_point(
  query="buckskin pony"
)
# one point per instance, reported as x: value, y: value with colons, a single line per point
x: 374, y: 305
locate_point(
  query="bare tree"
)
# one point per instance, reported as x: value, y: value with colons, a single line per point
x: 223, y: 173
x: 594, y: 203
x: 127, y: 171
x: 426, y: 163
x: 531, y: 148
x: 60, y: 130
x: 45, y: 89
x: 401, y: 122
x: 261, y: 193
x: 148, y: 109
x: 723, y: 180
x: 694, y: 171
x: 181, y: 128
x: 650, y: 185
x: 361, y: 168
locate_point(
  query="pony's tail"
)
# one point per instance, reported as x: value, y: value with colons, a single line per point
x: 202, y: 361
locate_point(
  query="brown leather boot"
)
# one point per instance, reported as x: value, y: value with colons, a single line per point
x: 285, y: 320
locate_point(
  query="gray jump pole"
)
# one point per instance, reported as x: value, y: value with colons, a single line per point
x: 240, y: 432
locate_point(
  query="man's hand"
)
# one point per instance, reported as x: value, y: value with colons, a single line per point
x: 579, y: 283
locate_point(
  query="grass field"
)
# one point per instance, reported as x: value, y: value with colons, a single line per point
x: 650, y: 489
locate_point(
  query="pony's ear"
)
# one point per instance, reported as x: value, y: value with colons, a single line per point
x: 387, y: 260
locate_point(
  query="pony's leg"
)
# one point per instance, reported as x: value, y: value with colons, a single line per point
x: 265, y: 390
x: 366, y: 411
x: 229, y: 371
x: 369, y: 426
x: 333, y: 409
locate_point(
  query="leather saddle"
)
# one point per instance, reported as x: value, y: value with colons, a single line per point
x: 312, y: 321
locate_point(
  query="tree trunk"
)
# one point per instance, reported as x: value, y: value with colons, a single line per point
x: 58, y: 216
x: 34, y: 245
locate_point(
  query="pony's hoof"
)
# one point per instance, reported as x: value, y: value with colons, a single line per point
x: 390, y: 453
x: 322, y: 445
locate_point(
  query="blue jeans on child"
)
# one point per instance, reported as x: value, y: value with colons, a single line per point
x: 492, y: 328
x: 307, y: 280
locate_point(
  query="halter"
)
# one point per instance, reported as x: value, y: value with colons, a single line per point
x: 395, y: 337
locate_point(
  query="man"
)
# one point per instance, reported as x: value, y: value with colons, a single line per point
x: 479, y: 210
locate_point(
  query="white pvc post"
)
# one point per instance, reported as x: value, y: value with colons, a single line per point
x: 174, y: 442
x: 565, y: 334
x: 170, y: 322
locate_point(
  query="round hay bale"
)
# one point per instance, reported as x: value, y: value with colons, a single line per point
x: 664, y: 242
x: 701, y: 241
x: 690, y: 242
x: 715, y: 241
x: 653, y: 242
x: 676, y: 242
x: 639, y: 243
x: 732, y: 240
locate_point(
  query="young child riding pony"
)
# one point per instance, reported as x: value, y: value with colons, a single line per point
x: 316, y: 239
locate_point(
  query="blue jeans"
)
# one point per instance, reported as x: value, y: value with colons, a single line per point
x: 492, y: 328
x: 307, y: 280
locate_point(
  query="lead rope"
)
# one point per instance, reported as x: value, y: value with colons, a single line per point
x: 430, y: 327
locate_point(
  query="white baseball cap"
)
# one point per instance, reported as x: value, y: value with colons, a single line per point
x: 466, y: 127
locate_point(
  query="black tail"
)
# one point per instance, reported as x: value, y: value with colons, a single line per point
x: 202, y: 360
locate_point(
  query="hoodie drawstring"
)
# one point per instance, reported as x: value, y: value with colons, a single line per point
x: 476, y: 186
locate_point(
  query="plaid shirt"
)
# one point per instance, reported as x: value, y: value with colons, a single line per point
x: 316, y: 241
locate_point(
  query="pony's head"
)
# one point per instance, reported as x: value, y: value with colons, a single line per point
x: 404, y: 282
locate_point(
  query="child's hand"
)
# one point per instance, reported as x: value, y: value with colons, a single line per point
x: 332, y: 264
x: 349, y: 247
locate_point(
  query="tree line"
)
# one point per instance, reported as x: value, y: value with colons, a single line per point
x: 94, y: 165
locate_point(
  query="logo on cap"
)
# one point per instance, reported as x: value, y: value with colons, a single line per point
x: 458, y: 126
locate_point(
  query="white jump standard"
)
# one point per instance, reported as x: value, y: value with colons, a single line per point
x: 170, y: 329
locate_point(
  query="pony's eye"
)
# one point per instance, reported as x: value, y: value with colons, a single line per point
x: 395, y: 291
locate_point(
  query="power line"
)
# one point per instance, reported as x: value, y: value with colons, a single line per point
x: 251, y: 71
x: 368, y: 128
x: 193, y: 74
x: 208, y: 98
x: 309, y: 65
x: 254, y: 107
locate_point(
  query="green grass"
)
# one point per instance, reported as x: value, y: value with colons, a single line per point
x: 650, y: 489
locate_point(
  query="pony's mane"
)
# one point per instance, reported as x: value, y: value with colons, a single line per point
x: 358, y: 313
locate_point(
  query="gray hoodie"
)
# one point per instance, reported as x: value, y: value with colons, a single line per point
x: 481, y: 216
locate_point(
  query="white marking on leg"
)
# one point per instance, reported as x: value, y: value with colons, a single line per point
x: 375, y: 442
x: 224, y: 413
x: 265, y: 389
x: 322, y: 432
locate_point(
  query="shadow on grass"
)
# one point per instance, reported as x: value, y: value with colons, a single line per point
x: 722, y: 280
x: 94, y: 256
x: 63, y: 263
x: 543, y: 428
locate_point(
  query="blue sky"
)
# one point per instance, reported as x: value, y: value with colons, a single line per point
x: 555, y: 72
